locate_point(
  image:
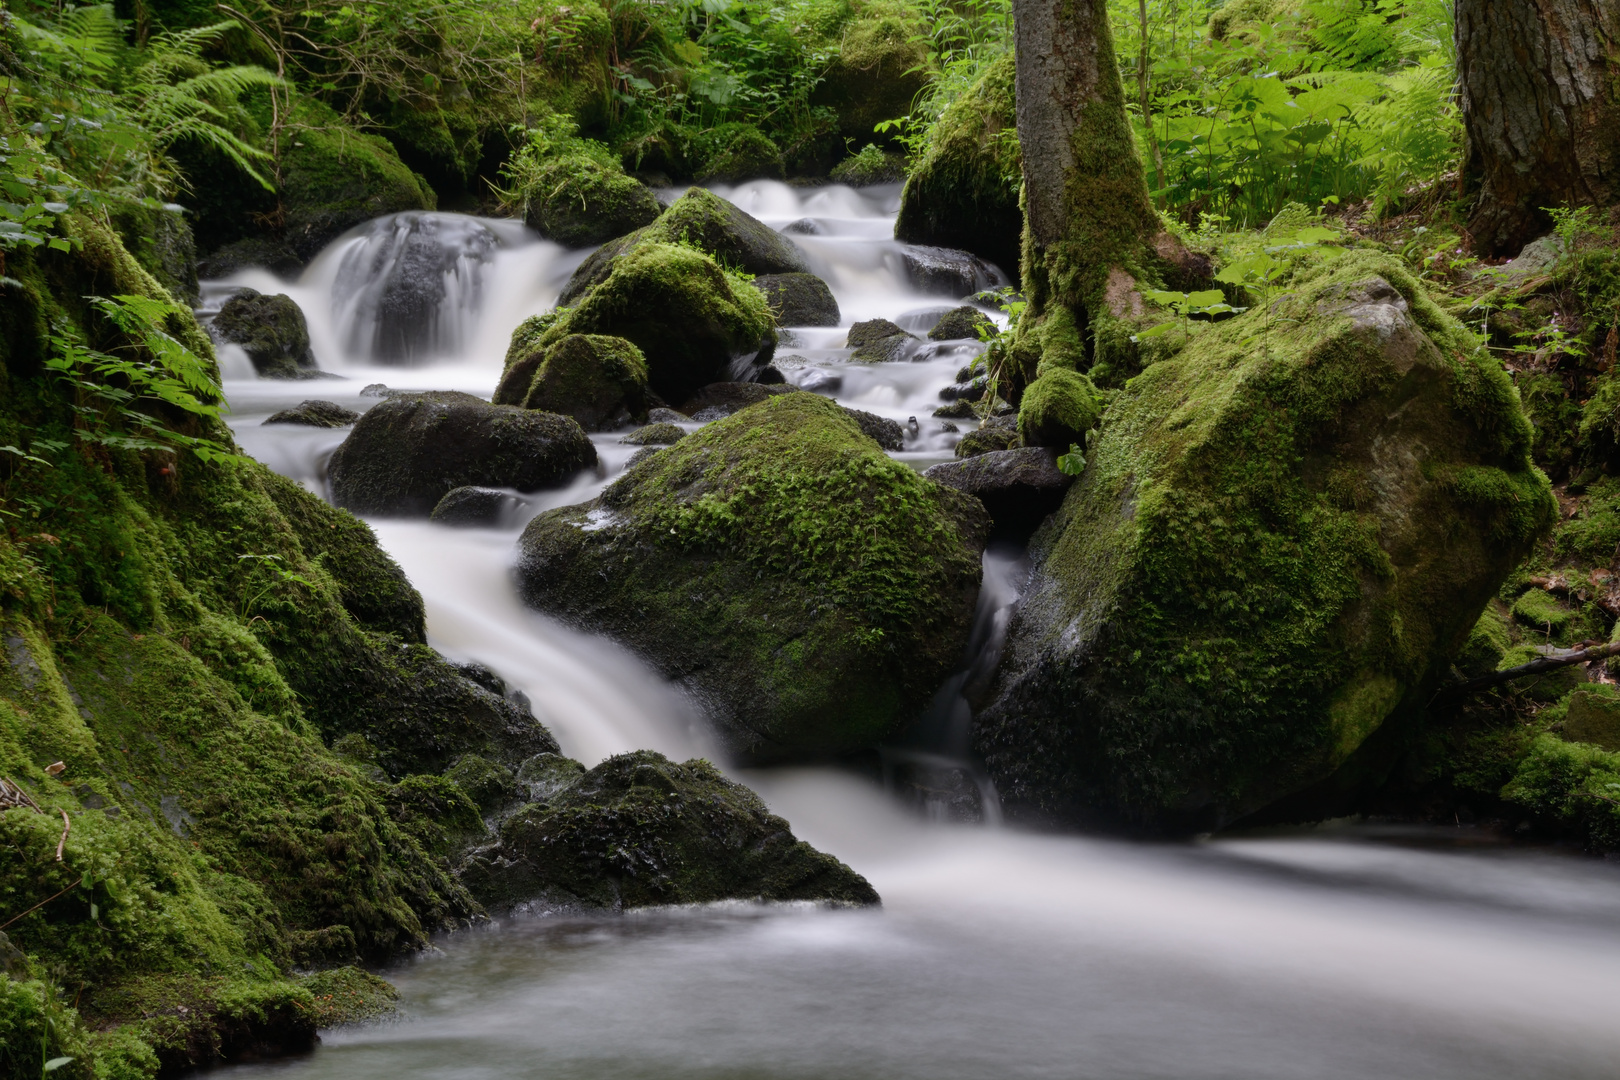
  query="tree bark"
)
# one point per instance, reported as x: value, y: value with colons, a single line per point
x: 1539, y: 82
x: 1089, y: 223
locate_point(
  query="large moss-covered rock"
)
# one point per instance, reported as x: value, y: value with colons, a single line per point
x: 812, y: 592
x: 703, y: 220
x: 407, y: 453
x: 963, y: 192
x: 690, y: 317
x: 881, y: 66
x: 1282, y: 537
x: 334, y: 177
x: 578, y: 201
x: 735, y: 152
x: 270, y: 329
x: 640, y: 829
x: 599, y: 381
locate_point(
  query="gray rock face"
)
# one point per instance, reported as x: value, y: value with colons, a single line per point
x: 640, y: 830
x: 724, y: 398
x: 876, y: 341
x: 473, y: 506
x: 948, y: 272
x: 880, y: 429
x: 410, y: 451
x: 270, y: 329
x: 315, y: 413
x: 799, y: 299
x: 1018, y: 487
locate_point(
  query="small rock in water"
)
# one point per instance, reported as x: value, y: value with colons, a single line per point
x: 667, y: 416
x: 948, y: 272
x: 270, y: 329
x: 822, y: 382
x: 804, y: 227
x: 1018, y: 487
x: 721, y: 399
x: 877, y: 340
x: 315, y: 413
x: 769, y: 376
x: 963, y: 323
x: 885, y: 432
x: 964, y: 392
x: 799, y: 299
x: 662, y: 434
x: 377, y: 389
x: 959, y: 408
x: 473, y: 506
x: 996, y: 433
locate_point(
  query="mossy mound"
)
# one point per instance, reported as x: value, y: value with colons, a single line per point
x: 334, y: 178
x: 1058, y: 409
x: 963, y: 191
x: 162, y: 242
x: 690, y: 318
x: 1282, y: 538
x: 881, y: 67
x: 702, y: 220
x: 810, y: 590
x: 315, y: 413
x: 640, y: 829
x: 799, y: 299
x: 270, y: 329
x: 871, y: 166
x: 996, y: 433
x: 407, y: 453
x: 580, y: 201
x: 736, y: 152
x: 963, y: 324
x: 599, y: 381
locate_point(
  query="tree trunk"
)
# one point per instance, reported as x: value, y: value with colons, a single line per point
x: 1089, y: 224
x: 1541, y: 111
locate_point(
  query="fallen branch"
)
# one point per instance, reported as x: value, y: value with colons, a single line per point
x: 67, y: 826
x: 1534, y: 667
x: 12, y: 796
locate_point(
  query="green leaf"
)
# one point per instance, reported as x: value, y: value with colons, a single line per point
x: 1073, y: 463
x: 56, y: 1063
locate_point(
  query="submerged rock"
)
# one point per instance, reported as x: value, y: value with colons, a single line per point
x: 1273, y: 553
x: 315, y: 413
x: 411, y: 450
x: 1019, y: 487
x: 799, y: 299
x: 812, y: 592
x: 270, y: 329
x: 703, y: 220
x: 639, y: 830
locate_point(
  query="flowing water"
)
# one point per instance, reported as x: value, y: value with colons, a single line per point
x: 1344, y: 951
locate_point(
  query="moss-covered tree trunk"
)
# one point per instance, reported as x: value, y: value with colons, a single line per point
x: 1089, y: 223
x: 1540, y: 88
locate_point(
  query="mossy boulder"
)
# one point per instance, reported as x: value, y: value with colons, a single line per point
x: 1593, y: 716
x: 270, y: 329
x: 877, y: 341
x: 1282, y: 538
x: 1057, y: 409
x: 734, y: 152
x: 598, y: 380
x: 640, y: 830
x: 408, y: 452
x: 474, y: 507
x: 799, y: 299
x: 812, y: 592
x: 993, y: 434
x: 162, y: 242
x: 690, y: 318
x: 881, y: 66
x: 579, y: 201
x: 963, y: 191
x: 963, y: 324
x: 315, y: 413
x: 703, y: 220
x: 871, y: 166
x: 334, y: 177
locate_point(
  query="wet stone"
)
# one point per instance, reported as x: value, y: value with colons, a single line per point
x: 662, y: 434
x: 473, y: 506
x: 315, y: 413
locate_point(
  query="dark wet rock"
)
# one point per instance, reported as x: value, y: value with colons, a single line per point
x: 759, y: 562
x: 667, y: 416
x: 799, y: 299
x: 942, y: 790
x: 947, y: 272
x: 545, y: 775
x: 639, y: 830
x: 887, y: 433
x: 996, y: 433
x: 315, y: 413
x: 410, y: 451
x: 270, y: 329
x: 662, y: 434
x: 960, y: 408
x: 253, y: 252
x: 474, y: 506
x: 963, y: 323
x: 963, y: 394
x: 877, y: 340
x: 804, y: 227
x: 641, y: 455
x: 379, y: 390
x: 702, y: 220
x: 769, y: 376
x: 1018, y: 487
x: 397, y: 279
x: 822, y: 382
x: 724, y: 398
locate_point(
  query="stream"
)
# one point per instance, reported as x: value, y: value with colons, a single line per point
x: 1346, y: 950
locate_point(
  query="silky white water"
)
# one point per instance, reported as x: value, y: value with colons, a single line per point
x: 1345, y: 951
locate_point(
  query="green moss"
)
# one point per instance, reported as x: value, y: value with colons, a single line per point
x: 813, y: 588
x: 1541, y: 611
x: 1558, y: 421
x: 488, y: 784
x: 1572, y: 788
x: 963, y: 191
x: 598, y: 380
x: 580, y: 200
x: 1212, y: 600
x: 882, y: 64
x: 734, y: 152
x: 688, y: 316
x: 347, y: 995
x: 1058, y: 409
x: 1487, y: 644
x: 870, y: 166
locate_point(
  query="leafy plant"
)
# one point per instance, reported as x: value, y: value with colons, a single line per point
x: 1073, y: 463
x: 1187, y: 306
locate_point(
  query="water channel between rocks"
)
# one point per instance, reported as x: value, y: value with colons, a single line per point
x: 1340, y: 951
